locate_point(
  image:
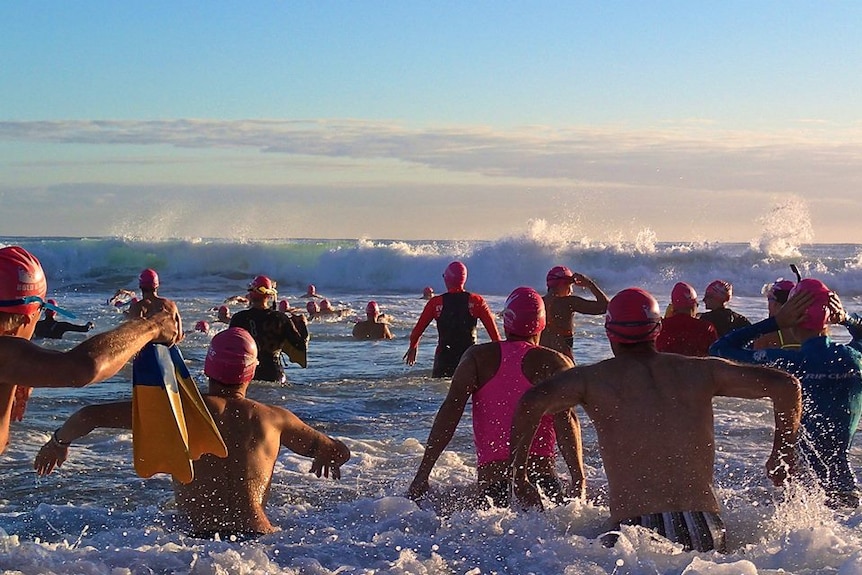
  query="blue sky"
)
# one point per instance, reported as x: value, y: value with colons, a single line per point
x: 696, y: 121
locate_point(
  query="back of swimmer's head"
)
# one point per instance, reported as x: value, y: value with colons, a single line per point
x: 372, y: 310
x: 455, y: 275
x: 261, y: 288
x: 21, y: 277
x: 232, y: 357
x: 559, y: 277
x: 524, y: 313
x: 633, y: 316
x: 683, y: 297
x: 718, y: 291
x: 817, y: 313
x: 148, y: 280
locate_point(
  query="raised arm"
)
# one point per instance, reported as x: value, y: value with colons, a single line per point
x: 589, y: 307
x: 116, y: 415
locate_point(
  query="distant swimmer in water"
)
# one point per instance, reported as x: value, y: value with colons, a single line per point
x: 24, y: 365
x: 202, y: 326
x: 493, y: 377
x: 682, y: 331
x: 372, y: 327
x: 122, y: 297
x: 325, y: 311
x: 653, y: 418
x: 561, y: 307
x: 715, y: 298
x: 311, y: 291
x: 223, y: 314
x: 428, y: 292
x: 285, y: 307
x: 236, y: 300
x: 151, y: 302
x: 776, y: 296
x: 270, y: 329
x: 50, y: 328
x: 456, y: 313
x: 831, y: 375
x: 228, y: 496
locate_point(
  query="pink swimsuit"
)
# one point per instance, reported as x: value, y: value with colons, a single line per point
x: 494, y: 407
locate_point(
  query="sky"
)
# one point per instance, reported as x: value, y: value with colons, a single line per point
x: 694, y: 121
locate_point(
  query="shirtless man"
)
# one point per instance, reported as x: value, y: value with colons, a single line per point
x: 228, y: 495
x: 562, y: 306
x: 372, y: 328
x: 150, y: 301
x: 456, y: 313
x: 24, y: 365
x: 653, y: 417
x: 495, y: 375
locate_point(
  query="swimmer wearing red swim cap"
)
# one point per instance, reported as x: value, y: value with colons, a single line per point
x: 682, y: 331
x: 372, y: 327
x: 561, y: 306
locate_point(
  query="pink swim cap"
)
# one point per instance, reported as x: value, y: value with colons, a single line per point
x: 428, y: 291
x: 261, y: 287
x: 283, y: 306
x: 633, y: 316
x: 779, y: 290
x: 559, y: 275
x: 817, y: 313
x: 683, y: 296
x: 372, y: 310
x: 455, y: 275
x: 223, y: 312
x: 232, y: 357
x: 720, y: 290
x: 310, y: 290
x: 202, y: 325
x: 21, y: 276
x: 148, y: 279
x: 524, y: 313
x: 312, y: 307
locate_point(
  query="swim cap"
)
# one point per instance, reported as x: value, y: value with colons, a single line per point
x: 223, y: 312
x: 428, y: 291
x: 49, y: 313
x: 232, y: 357
x: 202, y: 325
x: 559, y: 275
x: 524, y: 312
x: 683, y: 296
x: 312, y: 307
x: 720, y: 290
x: 455, y: 275
x: 817, y: 313
x: 325, y: 305
x: 283, y: 305
x: 310, y: 290
x: 261, y: 287
x: 372, y: 310
x: 779, y: 290
x: 21, y: 277
x: 148, y: 279
x: 633, y: 316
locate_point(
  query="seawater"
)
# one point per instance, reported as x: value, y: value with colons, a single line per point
x: 94, y: 515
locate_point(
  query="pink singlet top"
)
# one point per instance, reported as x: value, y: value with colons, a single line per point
x: 494, y: 407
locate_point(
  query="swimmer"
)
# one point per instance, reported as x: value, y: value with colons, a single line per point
x: 681, y: 330
x: 653, y: 417
x: 776, y: 296
x: 715, y: 298
x: 311, y: 291
x: 372, y: 327
x: 428, y: 292
x: 52, y: 329
x: 562, y: 306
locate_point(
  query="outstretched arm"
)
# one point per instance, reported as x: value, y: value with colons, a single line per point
x: 116, y: 415
x: 464, y: 382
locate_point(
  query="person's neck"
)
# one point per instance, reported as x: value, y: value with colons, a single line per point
x: 227, y: 391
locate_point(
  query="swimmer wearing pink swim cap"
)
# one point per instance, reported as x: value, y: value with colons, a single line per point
x: 372, y: 327
x: 561, y: 306
x: 716, y: 298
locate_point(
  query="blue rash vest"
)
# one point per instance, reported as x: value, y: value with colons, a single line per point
x: 831, y: 377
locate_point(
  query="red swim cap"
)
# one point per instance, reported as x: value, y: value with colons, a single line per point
x: 720, y: 290
x: 310, y: 290
x: 49, y: 312
x: 372, y: 310
x: 817, y: 313
x: 455, y: 275
x: 21, y: 276
x: 261, y: 287
x: 633, y: 316
x: 148, y: 279
x: 312, y: 307
x: 683, y: 296
x: 202, y: 325
x: 232, y: 357
x: 223, y: 312
x: 524, y: 313
x: 559, y: 275
x: 428, y: 291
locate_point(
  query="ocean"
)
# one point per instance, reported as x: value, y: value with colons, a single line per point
x: 94, y: 515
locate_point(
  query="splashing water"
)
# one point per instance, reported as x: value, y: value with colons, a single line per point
x: 785, y: 228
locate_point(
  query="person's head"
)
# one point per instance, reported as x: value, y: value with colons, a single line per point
x: 455, y: 276
x: 148, y: 280
x: 633, y: 317
x: 311, y: 290
x: 325, y: 305
x: 817, y: 313
x: 261, y: 290
x: 224, y: 313
x: 717, y: 294
x: 372, y: 310
x: 202, y: 326
x: 232, y: 357
x: 283, y: 305
x: 683, y: 298
x: 428, y: 292
x: 312, y: 307
x: 23, y: 288
x: 777, y: 293
x: 559, y: 280
x: 49, y: 313
x: 524, y: 313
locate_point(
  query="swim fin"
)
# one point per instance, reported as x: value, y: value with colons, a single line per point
x: 297, y: 351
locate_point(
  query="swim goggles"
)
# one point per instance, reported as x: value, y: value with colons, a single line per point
x: 263, y: 290
x: 36, y: 299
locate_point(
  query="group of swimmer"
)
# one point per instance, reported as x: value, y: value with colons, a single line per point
x: 651, y: 404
